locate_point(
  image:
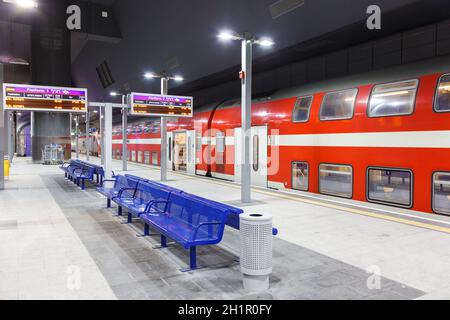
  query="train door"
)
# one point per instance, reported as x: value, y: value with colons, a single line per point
x: 180, y: 151
x: 258, y: 155
x: 169, y: 147
x: 191, y: 152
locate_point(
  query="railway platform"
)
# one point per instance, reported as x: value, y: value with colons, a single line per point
x: 63, y: 243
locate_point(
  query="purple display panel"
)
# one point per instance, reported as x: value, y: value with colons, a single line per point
x: 143, y: 104
x: 41, y: 98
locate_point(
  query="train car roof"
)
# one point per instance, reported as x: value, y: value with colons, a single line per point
x: 403, y: 72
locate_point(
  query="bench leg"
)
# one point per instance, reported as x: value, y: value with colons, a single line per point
x: 65, y: 175
x: 163, y: 241
x: 83, y: 186
x: 108, y: 203
x: 146, y: 230
x: 130, y: 218
x: 193, y: 258
x: 98, y: 179
x: 119, y: 211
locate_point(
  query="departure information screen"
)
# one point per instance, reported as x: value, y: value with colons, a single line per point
x: 158, y: 105
x: 42, y: 98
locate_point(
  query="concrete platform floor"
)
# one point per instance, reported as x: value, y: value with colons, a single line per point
x: 58, y: 242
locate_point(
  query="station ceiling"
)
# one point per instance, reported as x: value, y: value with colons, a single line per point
x: 156, y: 33
x: 160, y: 31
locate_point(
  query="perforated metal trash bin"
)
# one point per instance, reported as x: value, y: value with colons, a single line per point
x: 256, y: 250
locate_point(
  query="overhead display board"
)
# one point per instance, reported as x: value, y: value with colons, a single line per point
x: 42, y: 98
x: 144, y: 104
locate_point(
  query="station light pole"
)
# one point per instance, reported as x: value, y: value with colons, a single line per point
x: 247, y: 41
x: 124, y: 130
x: 164, y: 91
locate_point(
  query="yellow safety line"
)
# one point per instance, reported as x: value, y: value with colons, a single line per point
x: 328, y: 205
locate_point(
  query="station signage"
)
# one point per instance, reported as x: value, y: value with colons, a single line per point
x: 143, y: 104
x: 43, y: 98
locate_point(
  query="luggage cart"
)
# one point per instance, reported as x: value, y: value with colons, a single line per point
x: 53, y: 154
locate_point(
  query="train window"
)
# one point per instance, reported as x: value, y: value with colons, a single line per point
x: 139, y: 159
x: 302, y: 109
x: 170, y: 149
x: 393, y: 99
x: 300, y: 174
x: 255, y: 152
x: 441, y: 192
x: 220, y: 142
x: 338, y: 105
x: 336, y: 180
x: 390, y: 186
x: 442, y: 103
x: 147, y: 157
x: 155, y: 158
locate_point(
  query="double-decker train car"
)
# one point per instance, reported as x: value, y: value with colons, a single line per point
x: 381, y: 137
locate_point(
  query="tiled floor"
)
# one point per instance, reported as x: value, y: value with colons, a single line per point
x: 51, y: 232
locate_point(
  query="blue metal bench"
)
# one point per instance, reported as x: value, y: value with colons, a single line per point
x: 156, y: 183
x: 233, y: 220
x: 111, y: 188
x: 78, y: 170
x: 146, y: 198
x: 187, y: 221
x: 83, y: 173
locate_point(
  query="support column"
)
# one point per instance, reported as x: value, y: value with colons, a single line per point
x: 2, y: 132
x: 108, y: 141
x: 124, y: 136
x: 11, y: 137
x: 77, y: 137
x: 50, y: 45
x: 10, y: 132
x: 88, y: 136
x: 102, y: 136
x: 246, y: 107
x: 164, y: 90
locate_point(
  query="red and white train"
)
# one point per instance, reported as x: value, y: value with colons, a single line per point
x: 381, y: 137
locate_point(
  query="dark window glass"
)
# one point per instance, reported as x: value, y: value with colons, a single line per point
x: 336, y: 180
x: 255, y: 152
x: 393, y: 99
x: 302, y: 109
x: 390, y: 186
x: 300, y: 174
x: 442, y: 103
x: 441, y: 192
x: 338, y: 105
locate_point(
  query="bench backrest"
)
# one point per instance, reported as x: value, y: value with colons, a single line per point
x: 125, y: 182
x: 194, y: 212
x: 233, y: 212
x: 149, y: 192
x: 164, y: 186
x: 161, y: 185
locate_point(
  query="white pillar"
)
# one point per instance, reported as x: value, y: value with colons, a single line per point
x: 77, y: 137
x: 108, y: 140
x: 2, y: 132
x: 246, y: 107
x: 10, y: 119
x: 124, y: 136
x: 102, y: 136
x: 88, y: 136
x: 164, y: 90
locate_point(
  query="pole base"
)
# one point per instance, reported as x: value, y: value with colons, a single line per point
x: 256, y: 283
